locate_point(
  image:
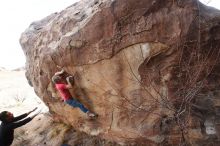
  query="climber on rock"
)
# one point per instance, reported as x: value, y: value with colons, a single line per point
x: 9, y: 123
x: 63, y: 89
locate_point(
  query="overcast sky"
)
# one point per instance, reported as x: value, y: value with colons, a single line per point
x: 17, y: 15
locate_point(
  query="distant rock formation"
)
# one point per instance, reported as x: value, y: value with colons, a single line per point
x: 2, y: 69
x: 16, y: 69
x: 19, y: 69
x: 149, y: 68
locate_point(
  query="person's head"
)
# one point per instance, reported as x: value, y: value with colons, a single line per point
x: 6, y: 116
x: 56, y: 79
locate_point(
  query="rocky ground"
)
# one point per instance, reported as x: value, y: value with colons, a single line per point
x: 44, y: 131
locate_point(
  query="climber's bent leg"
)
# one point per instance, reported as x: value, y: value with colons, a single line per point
x: 75, y: 103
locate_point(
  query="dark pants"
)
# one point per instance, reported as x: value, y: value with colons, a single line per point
x: 75, y: 103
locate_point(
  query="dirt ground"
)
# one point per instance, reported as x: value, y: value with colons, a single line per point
x: 16, y: 95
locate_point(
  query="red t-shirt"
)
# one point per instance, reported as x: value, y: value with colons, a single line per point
x: 63, y: 90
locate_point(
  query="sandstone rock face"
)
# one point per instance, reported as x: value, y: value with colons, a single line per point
x: 148, y: 68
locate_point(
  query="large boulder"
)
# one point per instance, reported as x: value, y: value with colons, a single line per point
x: 149, y: 68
